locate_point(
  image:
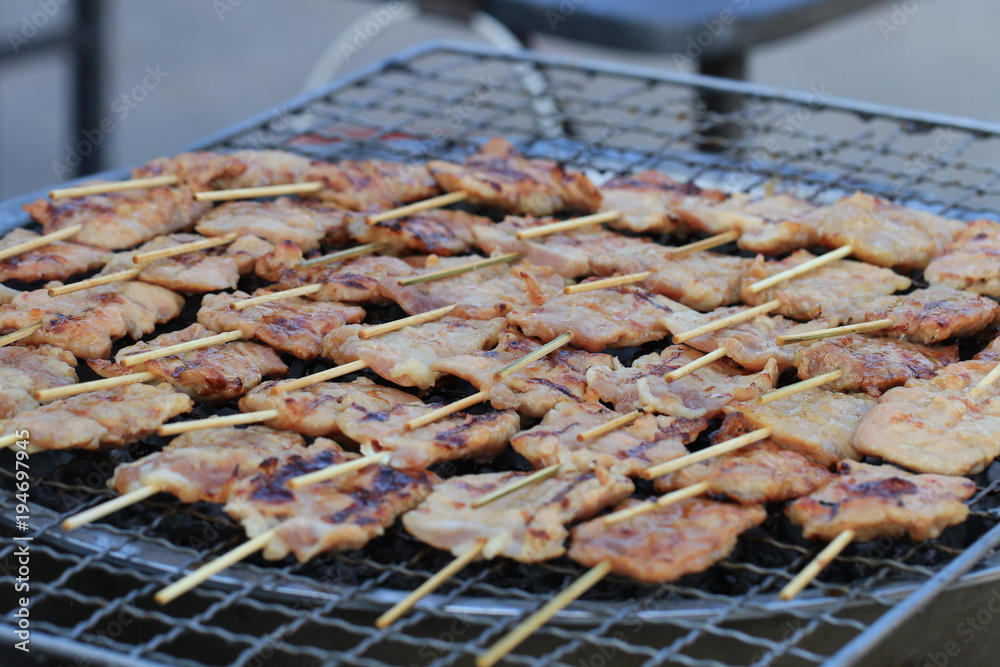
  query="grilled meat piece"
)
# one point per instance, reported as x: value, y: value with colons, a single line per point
x: 647, y: 441
x: 498, y: 176
x: 270, y: 167
x: 884, y: 233
x: 205, y: 465
x: 296, y: 325
x: 371, y: 185
x: 971, y: 261
x: 528, y: 525
x: 283, y: 219
x: 877, y: 501
x: 436, y: 232
x: 7, y: 294
x: 648, y: 201
x: 929, y: 315
x: 833, y: 291
x: 533, y: 390
x: 768, y: 224
x: 340, y: 514
x: 667, y: 543
x: 199, y: 170
x: 55, y: 261
x: 100, y: 419
x: 935, y: 425
x: 25, y: 370
x: 86, y: 322
x: 703, y: 393
x: 991, y: 352
x: 872, y: 365
x: 404, y: 356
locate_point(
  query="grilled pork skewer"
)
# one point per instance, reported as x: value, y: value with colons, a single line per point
x: 649, y: 201
x: 29, y: 257
x: 27, y: 369
x: 970, y: 260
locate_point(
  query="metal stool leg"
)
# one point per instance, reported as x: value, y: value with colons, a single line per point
x: 87, y: 59
x: 713, y: 102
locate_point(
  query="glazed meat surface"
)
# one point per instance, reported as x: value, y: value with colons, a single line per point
x: 270, y: 167
x: 199, y: 170
x: 882, y: 500
x: 768, y: 224
x: 283, y: 219
x: 368, y: 185
x: 648, y: 201
x: 971, y: 261
x: 25, y: 370
x: 55, y: 261
x: 192, y: 273
x: 439, y: 232
x: 929, y: 315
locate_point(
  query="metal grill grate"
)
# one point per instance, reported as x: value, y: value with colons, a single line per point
x: 92, y: 589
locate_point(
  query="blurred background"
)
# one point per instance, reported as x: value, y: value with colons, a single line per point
x: 174, y: 72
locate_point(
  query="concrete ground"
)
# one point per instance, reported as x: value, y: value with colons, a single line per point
x: 218, y: 62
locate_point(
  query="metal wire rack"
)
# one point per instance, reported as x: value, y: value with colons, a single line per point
x: 91, y: 590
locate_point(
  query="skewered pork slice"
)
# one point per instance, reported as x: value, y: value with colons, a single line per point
x: 989, y: 353
x: 368, y: 185
x: 929, y: 315
x: 438, y: 232
x: 199, y: 170
x: 283, y: 219
x: 7, y: 294
x: 55, y: 261
x: 25, y: 370
x: 971, y: 261
x: 768, y: 224
x: 648, y: 201
x: 191, y: 273
x: 270, y: 167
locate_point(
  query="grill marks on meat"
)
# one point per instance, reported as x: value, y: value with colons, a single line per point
x: 667, y: 543
x: 647, y: 441
x: 313, y: 411
x: 527, y: 525
x: 934, y: 425
x: 703, y: 393
x: 204, y: 465
x: 269, y: 167
x: 610, y: 317
x: 457, y: 436
x: 877, y: 501
x: 55, y: 261
x: 772, y: 225
x: 971, y: 261
x: 439, y: 232
x: 86, y: 322
x: 24, y: 370
x: 340, y: 514
x: 833, y: 291
x: 498, y: 176
x: 537, y: 388
x: 191, y: 273
x: 296, y: 325
x: 367, y: 185
x: 872, y: 365
x: 199, y: 170
x: 405, y: 356
x: 817, y: 423
x: 884, y: 233
x: 649, y: 201
x: 929, y: 315
x: 283, y: 219
x: 100, y: 419
x: 700, y: 280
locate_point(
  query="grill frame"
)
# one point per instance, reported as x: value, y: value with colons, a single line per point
x: 86, y: 545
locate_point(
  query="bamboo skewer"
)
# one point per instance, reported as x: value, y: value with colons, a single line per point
x: 20, y: 334
x: 40, y: 242
x: 262, y: 191
x: 613, y: 281
x: 818, y: 564
x: 834, y: 331
x: 805, y: 267
x: 530, y: 358
x: 217, y: 422
x: 275, y: 296
x: 517, y: 485
x: 43, y: 395
x: 705, y: 244
x: 116, y: 186
x: 671, y: 498
x: 986, y: 382
x: 695, y: 365
x: 315, y: 477
x: 798, y: 387
x: 109, y: 507
x: 8, y: 440
x: 725, y: 322
x: 416, y: 207
x: 159, y: 353
x: 458, y: 270
x: 322, y: 376
x: 356, y: 251
x: 567, y: 225
x: 96, y: 281
x: 616, y: 423
x: 719, y: 449
x: 208, y: 570
x: 413, y: 320
x: 446, y: 410
x: 183, y: 248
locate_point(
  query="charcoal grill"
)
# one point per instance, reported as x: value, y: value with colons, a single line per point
x: 92, y: 589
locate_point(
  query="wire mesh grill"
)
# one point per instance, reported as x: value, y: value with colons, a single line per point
x: 92, y: 589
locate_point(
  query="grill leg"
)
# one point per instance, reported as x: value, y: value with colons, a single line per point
x: 87, y: 93
x: 715, y: 137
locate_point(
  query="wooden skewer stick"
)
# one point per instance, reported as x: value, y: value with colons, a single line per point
x: 805, y: 267
x: 275, y: 296
x: 43, y: 395
x: 613, y: 281
x: 40, y: 242
x: 322, y: 376
x: 412, y: 320
x: 183, y: 248
x: 567, y: 225
x: 109, y: 507
x: 446, y: 410
x: 160, y: 352
x: 805, y: 385
x: 725, y: 322
x: 118, y: 276
x: 517, y: 485
x: 206, y: 571
x: 705, y: 244
x: 429, y: 586
x: 512, y: 639
x: 262, y: 191
x: 986, y: 382
x: 8, y: 440
x: 692, y: 366
x: 834, y: 331
x: 217, y: 422
x: 723, y: 447
x: 614, y: 424
x: 356, y: 251
x: 20, y: 334
x: 671, y: 498
x: 530, y: 358
x: 337, y: 470
x: 458, y: 270
x: 416, y: 207
x: 116, y: 186
x: 812, y: 570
